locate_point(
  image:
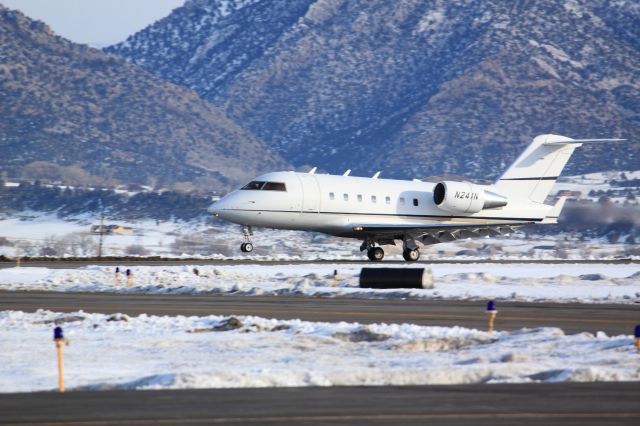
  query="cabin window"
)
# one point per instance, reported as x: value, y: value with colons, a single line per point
x: 274, y: 186
x: 345, y: 197
x: 373, y: 199
x: 415, y: 202
x: 387, y: 200
x: 401, y: 200
x: 359, y: 198
x: 254, y: 185
x: 332, y: 196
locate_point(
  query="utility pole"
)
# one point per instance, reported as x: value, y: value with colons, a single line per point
x: 101, y: 229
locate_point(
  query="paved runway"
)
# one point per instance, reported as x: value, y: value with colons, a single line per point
x: 77, y: 263
x: 572, y: 318
x: 532, y: 404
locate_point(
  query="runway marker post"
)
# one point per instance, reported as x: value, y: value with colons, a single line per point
x: 58, y: 338
x: 117, y: 275
x: 492, y: 312
x: 18, y: 262
x: 335, y: 277
x: 637, y: 336
x: 129, y: 277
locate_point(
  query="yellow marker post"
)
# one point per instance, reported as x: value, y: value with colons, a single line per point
x: 129, y: 277
x: 492, y: 312
x: 58, y: 337
x: 117, y: 275
x: 637, y: 336
x: 335, y: 277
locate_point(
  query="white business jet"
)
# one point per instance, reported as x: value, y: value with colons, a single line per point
x: 382, y: 211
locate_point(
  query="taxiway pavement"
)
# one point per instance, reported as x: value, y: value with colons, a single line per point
x: 571, y: 317
x: 496, y: 404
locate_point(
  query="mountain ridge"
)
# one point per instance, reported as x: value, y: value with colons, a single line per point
x: 81, y: 116
x: 415, y: 88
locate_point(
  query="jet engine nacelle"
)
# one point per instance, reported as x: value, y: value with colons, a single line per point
x: 466, y: 197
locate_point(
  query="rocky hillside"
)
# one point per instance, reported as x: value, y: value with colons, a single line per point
x: 75, y: 114
x: 413, y: 87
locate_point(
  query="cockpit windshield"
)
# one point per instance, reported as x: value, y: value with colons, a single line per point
x: 257, y: 185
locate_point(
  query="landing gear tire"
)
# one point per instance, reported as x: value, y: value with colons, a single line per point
x: 411, y: 255
x: 375, y: 254
x: 246, y: 247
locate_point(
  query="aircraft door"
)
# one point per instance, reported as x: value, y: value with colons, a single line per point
x: 310, y: 193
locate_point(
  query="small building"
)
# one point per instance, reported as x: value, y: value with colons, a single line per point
x: 111, y: 229
x: 575, y: 195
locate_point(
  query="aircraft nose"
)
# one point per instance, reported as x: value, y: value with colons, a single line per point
x: 217, y: 207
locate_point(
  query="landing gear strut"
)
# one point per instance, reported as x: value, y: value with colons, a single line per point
x: 247, y: 246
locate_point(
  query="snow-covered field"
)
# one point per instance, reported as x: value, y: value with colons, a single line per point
x: 148, y: 352
x: 585, y: 283
x: 601, y: 181
x: 32, y: 233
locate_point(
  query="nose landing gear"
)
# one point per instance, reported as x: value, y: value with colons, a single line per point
x: 247, y: 246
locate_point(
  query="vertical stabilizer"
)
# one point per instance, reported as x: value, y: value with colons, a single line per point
x: 553, y: 214
x: 535, y: 171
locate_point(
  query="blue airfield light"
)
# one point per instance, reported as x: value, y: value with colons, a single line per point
x: 636, y: 332
x: 128, y: 272
x: 57, y: 333
x: 117, y: 269
x: 491, y: 306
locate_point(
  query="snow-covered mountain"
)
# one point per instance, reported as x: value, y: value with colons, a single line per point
x: 74, y: 114
x: 413, y: 88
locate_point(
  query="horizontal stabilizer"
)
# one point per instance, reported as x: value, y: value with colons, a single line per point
x: 532, y: 176
x: 557, y: 143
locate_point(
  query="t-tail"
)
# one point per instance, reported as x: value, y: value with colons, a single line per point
x: 536, y: 170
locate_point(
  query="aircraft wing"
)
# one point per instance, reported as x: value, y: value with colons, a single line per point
x: 438, y: 233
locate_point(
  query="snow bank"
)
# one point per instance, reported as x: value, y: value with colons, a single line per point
x: 593, y: 283
x: 151, y: 352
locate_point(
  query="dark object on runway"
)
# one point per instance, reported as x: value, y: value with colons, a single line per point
x: 396, y: 278
x: 565, y: 404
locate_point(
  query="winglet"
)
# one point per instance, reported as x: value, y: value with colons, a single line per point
x: 347, y: 172
x: 375, y: 176
x: 553, y: 214
x: 313, y: 171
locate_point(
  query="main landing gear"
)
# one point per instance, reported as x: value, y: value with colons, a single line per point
x: 375, y: 254
x: 411, y: 255
x: 247, y: 246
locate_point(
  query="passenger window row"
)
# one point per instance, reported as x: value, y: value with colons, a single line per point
x: 374, y: 199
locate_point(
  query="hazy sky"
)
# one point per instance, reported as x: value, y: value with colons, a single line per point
x: 95, y: 22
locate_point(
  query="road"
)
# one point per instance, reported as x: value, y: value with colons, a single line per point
x: 563, y: 404
x: 572, y: 318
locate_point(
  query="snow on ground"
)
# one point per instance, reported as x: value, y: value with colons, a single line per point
x: 36, y: 234
x: 585, y: 283
x: 151, y: 352
x: 601, y: 181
